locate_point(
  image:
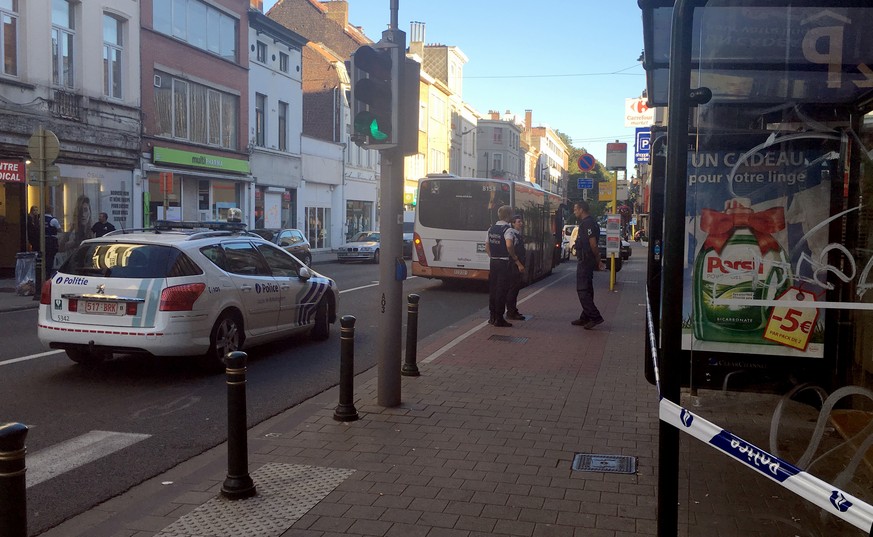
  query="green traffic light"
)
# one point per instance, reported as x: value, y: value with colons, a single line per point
x: 368, y: 124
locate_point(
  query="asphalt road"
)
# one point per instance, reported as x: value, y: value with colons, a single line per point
x: 181, y: 408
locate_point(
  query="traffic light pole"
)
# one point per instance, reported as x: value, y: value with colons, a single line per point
x: 390, y: 284
x: 391, y: 225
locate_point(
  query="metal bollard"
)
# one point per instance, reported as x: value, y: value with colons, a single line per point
x: 238, y: 484
x: 345, y: 410
x: 13, y: 484
x: 410, y: 369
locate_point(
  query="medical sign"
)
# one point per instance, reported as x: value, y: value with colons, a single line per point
x: 11, y: 171
x: 643, y: 142
x: 637, y: 113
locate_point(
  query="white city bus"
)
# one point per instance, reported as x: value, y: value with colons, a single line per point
x: 453, y: 215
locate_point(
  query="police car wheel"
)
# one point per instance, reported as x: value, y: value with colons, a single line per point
x: 321, y: 327
x: 376, y: 256
x: 86, y: 358
x: 227, y: 336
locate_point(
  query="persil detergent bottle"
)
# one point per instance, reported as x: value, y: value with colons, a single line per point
x: 739, y: 260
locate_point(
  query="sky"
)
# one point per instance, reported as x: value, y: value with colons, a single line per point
x: 572, y: 62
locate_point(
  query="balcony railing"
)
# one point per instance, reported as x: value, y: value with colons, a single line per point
x: 66, y: 105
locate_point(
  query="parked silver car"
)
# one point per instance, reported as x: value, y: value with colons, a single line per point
x: 365, y: 246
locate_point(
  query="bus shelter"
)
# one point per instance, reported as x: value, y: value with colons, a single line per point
x: 760, y: 289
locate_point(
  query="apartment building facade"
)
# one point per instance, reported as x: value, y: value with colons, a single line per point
x: 195, y: 77
x: 340, y: 197
x: 276, y: 121
x: 552, y: 156
x: 72, y: 68
x: 499, y: 147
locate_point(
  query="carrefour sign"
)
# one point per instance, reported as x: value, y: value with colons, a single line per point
x: 637, y: 113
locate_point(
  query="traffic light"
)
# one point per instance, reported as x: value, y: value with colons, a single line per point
x: 374, y: 97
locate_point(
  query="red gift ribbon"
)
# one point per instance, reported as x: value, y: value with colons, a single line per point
x: 719, y: 226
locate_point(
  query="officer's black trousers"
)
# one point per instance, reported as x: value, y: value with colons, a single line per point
x: 585, y: 290
x: 498, y: 287
x: 515, y: 281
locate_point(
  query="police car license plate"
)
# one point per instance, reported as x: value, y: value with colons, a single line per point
x: 102, y: 308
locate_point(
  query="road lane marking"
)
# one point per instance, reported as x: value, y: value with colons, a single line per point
x: 374, y: 284
x: 31, y: 357
x: 75, y: 452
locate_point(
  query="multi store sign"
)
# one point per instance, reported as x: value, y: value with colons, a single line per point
x: 165, y: 155
x: 11, y: 171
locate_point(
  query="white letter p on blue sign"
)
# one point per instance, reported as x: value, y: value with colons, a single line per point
x: 643, y: 138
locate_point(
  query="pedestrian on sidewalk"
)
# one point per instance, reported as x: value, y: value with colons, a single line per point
x: 102, y: 227
x: 516, y: 271
x: 588, y: 256
x: 33, y: 224
x: 499, y: 249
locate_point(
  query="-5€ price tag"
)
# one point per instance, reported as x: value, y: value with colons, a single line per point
x: 791, y: 325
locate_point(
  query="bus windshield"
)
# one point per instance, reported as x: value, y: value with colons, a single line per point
x: 461, y: 205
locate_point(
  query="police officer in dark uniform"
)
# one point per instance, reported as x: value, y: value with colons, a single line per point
x: 51, y: 240
x: 588, y: 256
x: 499, y: 249
x: 516, y: 271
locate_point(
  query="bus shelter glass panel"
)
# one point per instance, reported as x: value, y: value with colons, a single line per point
x: 777, y: 300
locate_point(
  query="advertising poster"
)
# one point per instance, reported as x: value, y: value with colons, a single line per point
x: 756, y: 228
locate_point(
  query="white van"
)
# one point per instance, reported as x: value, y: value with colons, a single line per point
x: 566, y: 242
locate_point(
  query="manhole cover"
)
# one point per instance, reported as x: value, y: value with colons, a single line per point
x: 508, y: 339
x: 614, y: 464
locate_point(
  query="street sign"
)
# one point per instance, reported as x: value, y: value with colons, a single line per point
x: 616, y: 156
x: 613, y: 238
x: 586, y: 162
x: 52, y: 176
x: 51, y: 146
x: 604, y: 193
x: 583, y: 183
x: 643, y: 142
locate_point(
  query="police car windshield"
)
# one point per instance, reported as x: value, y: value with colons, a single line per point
x: 120, y: 260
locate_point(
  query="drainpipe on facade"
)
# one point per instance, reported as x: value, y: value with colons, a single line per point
x: 344, y: 218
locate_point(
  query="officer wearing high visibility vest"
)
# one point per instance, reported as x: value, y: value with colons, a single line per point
x: 52, y: 226
x: 502, y: 254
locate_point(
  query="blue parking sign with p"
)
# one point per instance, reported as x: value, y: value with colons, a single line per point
x: 643, y: 139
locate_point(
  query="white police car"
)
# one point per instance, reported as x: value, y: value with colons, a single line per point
x: 181, y: 289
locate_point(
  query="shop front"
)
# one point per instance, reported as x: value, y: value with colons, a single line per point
x: 82, y: 193
x: 359, y: 217
x: 275, y: 207
x: 13, y: 208
x: 185, y: 185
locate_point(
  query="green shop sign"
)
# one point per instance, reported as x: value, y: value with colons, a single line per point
x: 165, y: 155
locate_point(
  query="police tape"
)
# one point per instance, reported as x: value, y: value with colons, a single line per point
x: 833, y: 500
x: 818, y: 492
